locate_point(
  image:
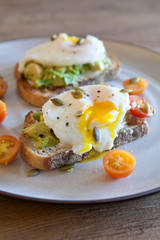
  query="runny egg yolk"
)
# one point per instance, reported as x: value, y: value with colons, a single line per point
x: 74, y: 39
x: 105, y: 114
x: 65, y: 37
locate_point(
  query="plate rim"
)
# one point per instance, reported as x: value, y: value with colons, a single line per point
x: 109, y: 200
x: 104, y: 200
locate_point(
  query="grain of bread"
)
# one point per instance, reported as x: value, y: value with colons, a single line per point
x: 37, y: 97
x: 55, y: 157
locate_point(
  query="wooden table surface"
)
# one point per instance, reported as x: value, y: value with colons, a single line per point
x: 136, y: 22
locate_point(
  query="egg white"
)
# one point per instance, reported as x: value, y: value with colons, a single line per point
x: 64, y: 52
x: 70, y: 129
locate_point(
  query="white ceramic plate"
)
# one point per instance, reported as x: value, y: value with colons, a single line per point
x: 88, y: 182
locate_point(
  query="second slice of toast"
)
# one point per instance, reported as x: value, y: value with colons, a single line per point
x: 38, y: 96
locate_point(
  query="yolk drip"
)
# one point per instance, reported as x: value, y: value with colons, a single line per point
x: 70, y: 38
x: 101, y: 112
x: 74, y: 39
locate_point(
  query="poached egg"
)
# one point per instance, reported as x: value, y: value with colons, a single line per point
x: 91, y: 121
x: 64, y: 51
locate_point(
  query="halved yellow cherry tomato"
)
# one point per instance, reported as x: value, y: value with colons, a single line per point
x: 3, y: 111
x: 9, y: 147
x: 119, y: 163
x: 137, y: 85
x: 3, y: 86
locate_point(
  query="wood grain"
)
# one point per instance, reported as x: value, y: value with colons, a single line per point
x: 132, y: 219
x: 132, y: 21
x: 136, y: 22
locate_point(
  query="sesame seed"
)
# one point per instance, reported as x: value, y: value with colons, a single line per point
x: 69, y: 104
x: 67, y: 123
x: 57, y: 117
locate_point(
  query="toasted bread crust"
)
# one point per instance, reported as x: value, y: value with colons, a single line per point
x: 37, y: 97
x: 53, y: 157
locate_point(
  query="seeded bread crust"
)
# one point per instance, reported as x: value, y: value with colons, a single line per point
x: 55, y: 157
x: 37, y: 97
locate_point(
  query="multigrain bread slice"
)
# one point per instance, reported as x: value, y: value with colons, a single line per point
x: 37, y: 97
x: 55, y: 157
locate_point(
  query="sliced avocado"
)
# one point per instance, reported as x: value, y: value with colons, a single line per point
x: 60, y: 69
x: 53, y: 78
x: 37, y: 130
x: 41, y: 83
x: 48, y: 141
x: 69, y: 69
x: 33, y: 71
x: 38, y: 116
x: 80, y: 69
x: 87, y: 67
x: 58, y: 82
x: 74, y: 69
x: 43, y: 135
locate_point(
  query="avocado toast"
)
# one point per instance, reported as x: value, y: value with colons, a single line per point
x: 45, y: 148
x: 41, y: 75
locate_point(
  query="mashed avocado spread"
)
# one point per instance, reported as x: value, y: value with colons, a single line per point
x: 60, y: 76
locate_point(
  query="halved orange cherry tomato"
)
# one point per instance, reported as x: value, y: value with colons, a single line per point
x: 9, y: 147
x: 140, y: 107
x: 137, y: 85
x: 3, y: 86
x: 3, y: 111
x: 119, y: 163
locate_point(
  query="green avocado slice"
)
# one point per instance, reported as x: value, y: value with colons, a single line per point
x: 33, y: 71
x: 36, y: 130
x: 43, y: 135
x: 58, y: 82
x: 48, y: 141
x: 37, y: 116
